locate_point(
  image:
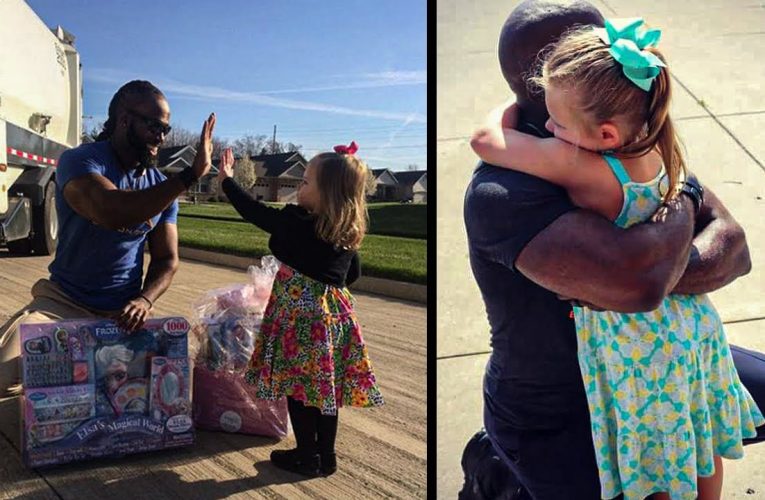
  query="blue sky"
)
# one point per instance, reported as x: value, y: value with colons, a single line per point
x: 322, y: 72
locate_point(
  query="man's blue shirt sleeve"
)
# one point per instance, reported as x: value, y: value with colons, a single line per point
x: 73, y: 164
x: 505, y: 209
x: 170, y: 214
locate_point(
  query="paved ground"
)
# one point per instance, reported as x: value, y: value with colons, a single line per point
x: 381, y: 451
x: 715, y: 53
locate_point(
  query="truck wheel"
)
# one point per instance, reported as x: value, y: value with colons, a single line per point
x: 45, y: 223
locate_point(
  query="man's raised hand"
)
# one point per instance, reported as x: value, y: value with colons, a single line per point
x: 203, y: 159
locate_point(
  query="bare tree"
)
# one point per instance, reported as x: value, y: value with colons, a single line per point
x: 271, y: 148
x: 90, y: 135
x: 248, y: 145
x: 180, y: 136
x: 218, y: 146
x: 291, y: 148
x: 371, y: 184
x: 244, y: 172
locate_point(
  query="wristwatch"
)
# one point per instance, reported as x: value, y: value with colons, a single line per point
x: 187, y: 177
x: 692, y: 188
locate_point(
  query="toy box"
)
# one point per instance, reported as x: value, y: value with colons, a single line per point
x: 92, y: 389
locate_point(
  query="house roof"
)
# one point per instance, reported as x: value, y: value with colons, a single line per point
x: 277, y: 164
x: 377, y: 172
x: 410, y: 177
x: 384, y: 176
x: 166, y: 155
x: 172, y: 160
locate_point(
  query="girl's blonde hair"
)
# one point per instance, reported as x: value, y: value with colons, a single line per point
x: 581, y: 61
x: 342, y: 211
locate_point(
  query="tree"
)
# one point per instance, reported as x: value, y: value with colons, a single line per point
x: 291, y: 148
x: 244, y: 172
x: 269, y: 148
x: 181, y: 137
x: 248, y: 145
x: 412, y: 167
x: 371, y: 184
x: 218, y: 146
x: 90, y: 135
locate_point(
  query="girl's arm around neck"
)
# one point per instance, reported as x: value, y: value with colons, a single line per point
x: 498, y: 143
x: 583, y: 174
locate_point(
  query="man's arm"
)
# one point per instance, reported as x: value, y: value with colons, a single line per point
x: 163, y: 252
x: 719, y: 253
x: 584, y: 255
x: 97, y: 199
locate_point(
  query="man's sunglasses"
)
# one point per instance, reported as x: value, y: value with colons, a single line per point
x: 155, y: 126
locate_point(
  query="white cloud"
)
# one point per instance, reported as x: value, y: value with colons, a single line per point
x: 364, y: 81
x: 210, y: 93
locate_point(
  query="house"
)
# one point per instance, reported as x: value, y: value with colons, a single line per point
x: 172, y: 160
x: 413, y: 185
x: 386, y: 185
x: 278, y: 176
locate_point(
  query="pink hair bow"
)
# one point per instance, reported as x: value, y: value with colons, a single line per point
x: 347, y: 150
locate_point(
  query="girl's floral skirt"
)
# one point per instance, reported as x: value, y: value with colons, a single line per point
x: 310, y: 348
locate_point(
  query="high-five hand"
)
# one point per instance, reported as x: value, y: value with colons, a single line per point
x: 203, y: 159
x: 226, y: 165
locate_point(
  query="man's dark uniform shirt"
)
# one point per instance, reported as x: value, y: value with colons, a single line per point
x: 532, y: 379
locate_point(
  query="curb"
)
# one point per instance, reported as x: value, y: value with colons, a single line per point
x: 379, y: 286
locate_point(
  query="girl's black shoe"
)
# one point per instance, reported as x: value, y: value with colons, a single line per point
x: 296, y: 461
x: 328, y: 464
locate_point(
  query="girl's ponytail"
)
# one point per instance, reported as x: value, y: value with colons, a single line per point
x: 660, y: 132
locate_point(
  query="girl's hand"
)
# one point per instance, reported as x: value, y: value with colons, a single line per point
x: 226, y: 165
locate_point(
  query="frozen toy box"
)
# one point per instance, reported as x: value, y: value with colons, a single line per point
x: 91, y: 389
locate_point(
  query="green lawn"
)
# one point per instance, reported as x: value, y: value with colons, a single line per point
x: 390, y: 257
x: 390, y: 219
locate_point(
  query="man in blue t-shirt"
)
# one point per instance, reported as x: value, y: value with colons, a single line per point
x: 529, y: 246
x: 111, y: 200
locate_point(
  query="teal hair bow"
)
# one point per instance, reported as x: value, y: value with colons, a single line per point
x: 628, y: 39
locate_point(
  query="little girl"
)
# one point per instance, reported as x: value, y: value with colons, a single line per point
x: 665, y: 399
x: 309, y: 347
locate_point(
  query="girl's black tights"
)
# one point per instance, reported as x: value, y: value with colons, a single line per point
x: 314, y: 432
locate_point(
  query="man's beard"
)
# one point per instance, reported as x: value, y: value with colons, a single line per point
x: 146, y: 160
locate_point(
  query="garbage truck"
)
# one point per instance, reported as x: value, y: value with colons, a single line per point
x: 40, y: 117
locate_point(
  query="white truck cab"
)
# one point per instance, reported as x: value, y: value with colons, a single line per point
x: 40, y: 117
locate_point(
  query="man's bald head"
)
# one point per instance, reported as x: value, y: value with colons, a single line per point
x: 532, y: 26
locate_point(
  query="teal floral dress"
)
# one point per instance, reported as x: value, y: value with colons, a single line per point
x: 309, y: 347
x: 663, y: 392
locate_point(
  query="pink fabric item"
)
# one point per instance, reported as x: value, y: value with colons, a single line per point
x: 347, y: 150
x: 225, y: 402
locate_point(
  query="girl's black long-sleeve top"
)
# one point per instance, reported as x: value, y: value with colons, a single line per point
x: 294, y: 240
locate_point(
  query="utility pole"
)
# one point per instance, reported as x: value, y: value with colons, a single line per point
x: 273, y: 143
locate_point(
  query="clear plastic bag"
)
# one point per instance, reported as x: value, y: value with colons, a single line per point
x: 226, y: 320
x: 225, y: 323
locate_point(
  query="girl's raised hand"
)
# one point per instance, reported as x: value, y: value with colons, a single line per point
x: 226, y: 165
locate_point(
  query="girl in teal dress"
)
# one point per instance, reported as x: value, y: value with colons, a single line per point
x: 664, y: 396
